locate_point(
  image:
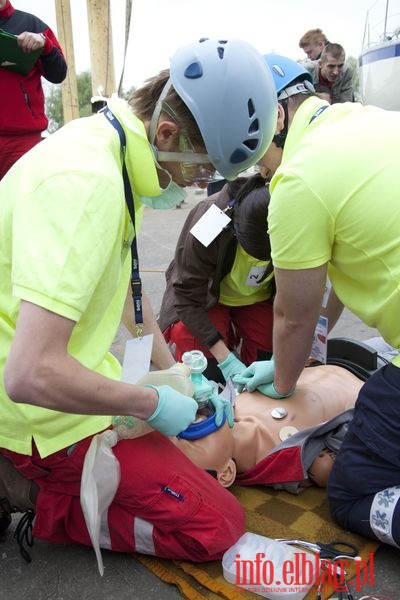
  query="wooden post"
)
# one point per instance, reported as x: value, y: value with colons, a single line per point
x: 101, y: 47
x: 69, y: 88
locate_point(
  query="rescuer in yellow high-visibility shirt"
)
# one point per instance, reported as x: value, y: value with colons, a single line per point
x: 334, y: 211
x: 65, y: 261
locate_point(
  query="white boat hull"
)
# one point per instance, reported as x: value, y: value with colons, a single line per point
x: 380, y: 75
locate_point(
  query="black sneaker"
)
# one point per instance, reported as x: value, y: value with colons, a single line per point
x: 23, y: 531
x: 17, y: 495
x: 5, y: 520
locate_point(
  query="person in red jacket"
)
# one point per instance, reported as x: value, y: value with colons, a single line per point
x: 22, y: 107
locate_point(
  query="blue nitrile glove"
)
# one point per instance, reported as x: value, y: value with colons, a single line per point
x: 268, y: 389
x: 231, y: 366
x: 258, y: 373
x: 174, y: 412
x: 221, y: 406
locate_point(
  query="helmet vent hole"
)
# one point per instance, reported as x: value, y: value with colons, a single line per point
x: 238, y: 156
x: 221, y: 52
x: 251, y: 144
x: 250, y: 107
x: 255, y: 126
x: 194, y: 70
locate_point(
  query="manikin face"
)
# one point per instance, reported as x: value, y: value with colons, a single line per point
x: 331, y: 67
x: 314, y: 50
x: 214, y: 452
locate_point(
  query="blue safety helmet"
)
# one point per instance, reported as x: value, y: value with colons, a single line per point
x: 290, y: 78
x: 285, y: 72
x: 231, y: 95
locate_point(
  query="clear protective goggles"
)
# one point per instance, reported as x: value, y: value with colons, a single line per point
x: 195, y: 166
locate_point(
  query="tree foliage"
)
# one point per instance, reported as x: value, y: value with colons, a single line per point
x: 356, y: 76
x: 54, y: 108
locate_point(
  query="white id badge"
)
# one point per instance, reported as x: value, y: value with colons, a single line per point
x: 137, y: 357
x: 328, y: 287
x: 210, y: 225
x: 320, y: 341
x: 255, y: 275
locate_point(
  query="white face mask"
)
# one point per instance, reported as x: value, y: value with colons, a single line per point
x: 170, y: 197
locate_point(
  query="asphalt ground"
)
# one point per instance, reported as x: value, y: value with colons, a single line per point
x: 61, y: 572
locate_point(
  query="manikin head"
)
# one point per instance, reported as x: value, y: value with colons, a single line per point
x: 214, y: 453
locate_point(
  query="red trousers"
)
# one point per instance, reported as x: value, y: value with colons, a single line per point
x: 164, y: 505
x: 249, y: 327
x: 12, y: 147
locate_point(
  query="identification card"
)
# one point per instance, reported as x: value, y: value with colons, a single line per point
x: 255, y: 275
x: 210, y: 225
x: 137, y: 358
x: 320, y: 341
x: 325, y: 298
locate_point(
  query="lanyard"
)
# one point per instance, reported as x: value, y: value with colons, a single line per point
x: 318, y: 112
x: 136, y: 282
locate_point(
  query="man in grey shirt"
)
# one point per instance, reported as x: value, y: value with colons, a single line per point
x: 332, y: 77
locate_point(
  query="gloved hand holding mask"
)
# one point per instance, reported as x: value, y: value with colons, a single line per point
x: 221, y: 406
x: 174, y: 412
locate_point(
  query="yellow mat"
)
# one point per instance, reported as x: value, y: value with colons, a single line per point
x: 275, y: 515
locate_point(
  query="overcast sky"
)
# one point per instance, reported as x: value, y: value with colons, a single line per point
x: 159, y: 26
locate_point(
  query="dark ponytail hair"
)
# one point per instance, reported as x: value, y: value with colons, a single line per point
x: 250, y: 217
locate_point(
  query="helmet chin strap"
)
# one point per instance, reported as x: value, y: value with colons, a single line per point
x: 157, y: 111
x: 190, y: 157
x: 302, y: 87
x: 279, y: 139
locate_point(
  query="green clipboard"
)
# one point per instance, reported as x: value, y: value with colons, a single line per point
x: 12, y: 57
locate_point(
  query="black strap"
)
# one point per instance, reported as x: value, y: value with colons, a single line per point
x: 318, y: 112
x: 23, y: 534
x: 136, y: 282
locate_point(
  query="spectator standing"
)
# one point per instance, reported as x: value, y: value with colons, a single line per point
x: 22, y: 105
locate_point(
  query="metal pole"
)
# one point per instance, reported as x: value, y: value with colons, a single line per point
x: 386, y: 16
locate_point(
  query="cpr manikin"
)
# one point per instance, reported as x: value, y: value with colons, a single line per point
x: 264, y: 425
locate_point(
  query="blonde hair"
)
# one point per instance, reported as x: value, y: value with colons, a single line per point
x: 313, y: 36
x: 143, y: 102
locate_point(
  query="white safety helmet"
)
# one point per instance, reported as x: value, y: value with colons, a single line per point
x: 230, y: 92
